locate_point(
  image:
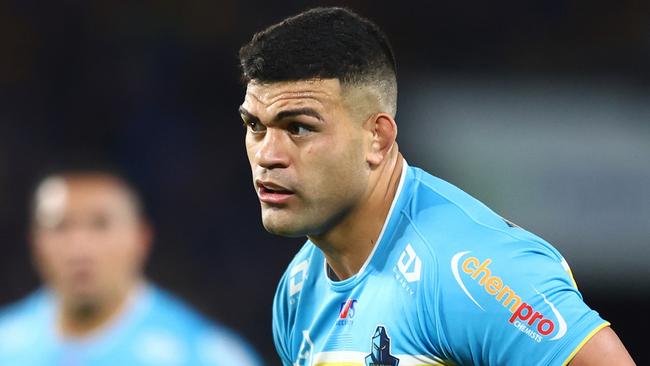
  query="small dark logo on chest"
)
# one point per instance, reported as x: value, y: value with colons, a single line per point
x: 380, y: 352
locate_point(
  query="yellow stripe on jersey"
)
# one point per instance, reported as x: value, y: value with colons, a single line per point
x: 566, y: 267
x: 587, y: 338
x: 351, y: 358
x: 361, y: 364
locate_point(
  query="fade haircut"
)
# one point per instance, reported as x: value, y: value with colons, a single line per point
x: 324, y: 43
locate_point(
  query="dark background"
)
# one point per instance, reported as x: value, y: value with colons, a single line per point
x: 154, y: 87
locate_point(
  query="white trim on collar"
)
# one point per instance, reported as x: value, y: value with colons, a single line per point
x: 400, y: 186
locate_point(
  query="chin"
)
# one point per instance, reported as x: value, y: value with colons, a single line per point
x: 284, y: 231
x: 288, y: 229
x: 81, y: 290
x: 82, y: 295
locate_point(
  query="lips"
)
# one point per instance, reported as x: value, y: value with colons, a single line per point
x: 273, y: 193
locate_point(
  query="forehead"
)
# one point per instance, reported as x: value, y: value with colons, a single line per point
x: 268, y: 97
x: 92, y: 191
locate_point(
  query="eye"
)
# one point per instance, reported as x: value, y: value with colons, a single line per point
x: 59, y: 227
x: 254, y: 126
x: 299, y: 129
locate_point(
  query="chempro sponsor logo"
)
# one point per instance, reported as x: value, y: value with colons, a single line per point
x: 524, y: 317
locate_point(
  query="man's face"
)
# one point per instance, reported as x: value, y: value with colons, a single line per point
x: 307, y: 152
x: 89, y: 242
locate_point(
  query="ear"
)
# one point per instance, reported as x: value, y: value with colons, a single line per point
x: 35, y: 249
x: 384, y: 132
x: 146, y: 233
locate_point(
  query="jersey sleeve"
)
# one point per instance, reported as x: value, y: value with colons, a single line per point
x: 512, y: 304
x: 220, y: 346
x: 280, y: 319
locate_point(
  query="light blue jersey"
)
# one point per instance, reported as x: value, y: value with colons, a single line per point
x: 449, y: 282
x: 154, y: 329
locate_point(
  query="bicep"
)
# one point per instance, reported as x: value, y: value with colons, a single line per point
x: 604, y: 348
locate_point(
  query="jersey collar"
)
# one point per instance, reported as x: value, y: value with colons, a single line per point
x: 386, y: 231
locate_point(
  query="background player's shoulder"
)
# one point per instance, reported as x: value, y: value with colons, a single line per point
x: 222, y: 346
x: 173, y: 322
x: 168, y: 309
x: 32, y: 306
x: 23, y: 324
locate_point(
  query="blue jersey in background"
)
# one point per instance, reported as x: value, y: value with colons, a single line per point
x: 154, y: 329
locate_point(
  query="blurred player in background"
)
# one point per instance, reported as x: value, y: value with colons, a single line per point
x: 400, y: 267
x: 90, y: 242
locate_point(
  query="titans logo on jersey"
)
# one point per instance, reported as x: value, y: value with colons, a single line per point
x: 380, y: 354
x: 448, y: 282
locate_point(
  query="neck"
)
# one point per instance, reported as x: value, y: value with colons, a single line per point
x: 347, y: 245
x: 81, y: 318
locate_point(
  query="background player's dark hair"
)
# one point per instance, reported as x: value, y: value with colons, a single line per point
x: 323, y: 43
x: 84, y: 167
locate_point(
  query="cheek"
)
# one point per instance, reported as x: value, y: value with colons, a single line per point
x: 118, y: 251
x: 48, y: 253
x: 251, y: 149
x: 342, y: 153
x: 335, y: 165
x: 128, y: 249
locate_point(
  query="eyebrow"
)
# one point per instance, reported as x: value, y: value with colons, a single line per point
x: 282, y: 115
x: 298, y: 112
x: 248, y: 115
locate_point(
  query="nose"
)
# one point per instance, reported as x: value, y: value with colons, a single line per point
x: 273, y: 151
x: 78, y: 240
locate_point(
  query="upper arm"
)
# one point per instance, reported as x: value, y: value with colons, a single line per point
x: 517, y: 296
x: 604, y: 348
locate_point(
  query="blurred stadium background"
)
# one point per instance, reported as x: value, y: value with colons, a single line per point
x: 539, y: 108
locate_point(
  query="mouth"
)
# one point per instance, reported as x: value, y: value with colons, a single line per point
x: 81, y: 277
x: 273, y: 193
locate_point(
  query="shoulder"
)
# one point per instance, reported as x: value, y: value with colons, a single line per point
x: 301, y: 273
x: 219, y: 345
x: 304, y: 255
x: 494, y: 286
x: 294, y: 277
x: 435, y: 201
x: 27, y: 310
x: 22, y: 322
x: 450, y: 221
x: 166, y: 308
x: 453, y: 234
x: 171, y: 321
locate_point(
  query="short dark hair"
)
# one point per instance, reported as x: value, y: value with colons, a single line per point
x: 81, y: 167
x: 323, y: 43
